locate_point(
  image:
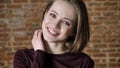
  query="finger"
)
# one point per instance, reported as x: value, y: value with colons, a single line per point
x: 38, y: 31
x: 40, y: 34
x: 35, y: 33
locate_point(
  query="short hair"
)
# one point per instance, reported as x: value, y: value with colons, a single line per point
x: 81, y: 29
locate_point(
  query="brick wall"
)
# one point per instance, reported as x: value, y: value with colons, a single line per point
x: 20, y: 18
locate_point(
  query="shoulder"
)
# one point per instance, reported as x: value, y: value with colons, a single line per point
x: 26, y: 56
x: 84, y: 60
x: 23, y: 53
x: 87, y: 60
x: 85, y: 56
x: 29, y: 53
x: 23, y: 57
x: 82, y: 56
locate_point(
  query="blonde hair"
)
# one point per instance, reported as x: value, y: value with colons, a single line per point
x: 81, y: 29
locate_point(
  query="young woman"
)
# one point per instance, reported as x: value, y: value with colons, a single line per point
x: 64, y: 33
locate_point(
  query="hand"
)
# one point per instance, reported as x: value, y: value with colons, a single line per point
x: 37, y: 41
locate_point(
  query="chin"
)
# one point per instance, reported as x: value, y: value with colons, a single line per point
x: 53, y: 40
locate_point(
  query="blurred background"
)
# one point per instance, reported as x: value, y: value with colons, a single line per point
x: 20, y: 18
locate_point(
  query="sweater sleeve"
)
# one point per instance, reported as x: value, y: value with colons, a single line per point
x: 38, y: 59
x: 21, y: 59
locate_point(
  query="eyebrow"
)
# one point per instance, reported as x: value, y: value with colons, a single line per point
x: 68, y: 19
x: 54, y: 12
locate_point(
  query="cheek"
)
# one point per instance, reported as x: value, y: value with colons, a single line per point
x: 66, y: 32
x: 46, y: 19
x: 45, y: 22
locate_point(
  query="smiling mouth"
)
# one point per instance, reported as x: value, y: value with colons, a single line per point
x: 52, y: 31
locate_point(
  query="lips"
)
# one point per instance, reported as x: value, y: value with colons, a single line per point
x: 53, y: 32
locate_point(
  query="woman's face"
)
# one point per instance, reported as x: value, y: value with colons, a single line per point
x: 58, y: 22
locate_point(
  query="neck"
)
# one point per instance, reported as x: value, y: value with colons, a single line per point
x: 56, y: 48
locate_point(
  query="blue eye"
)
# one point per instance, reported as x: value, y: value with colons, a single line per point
x: 66, y: 23
x: 53, y: 15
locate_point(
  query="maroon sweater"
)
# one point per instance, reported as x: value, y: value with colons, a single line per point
x: 29, y: 58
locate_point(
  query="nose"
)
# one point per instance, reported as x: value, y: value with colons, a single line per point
x: 56, y: 24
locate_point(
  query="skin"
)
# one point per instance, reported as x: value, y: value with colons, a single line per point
x: 57, y: 26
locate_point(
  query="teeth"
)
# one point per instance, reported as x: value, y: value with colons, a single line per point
x: 51, y: 31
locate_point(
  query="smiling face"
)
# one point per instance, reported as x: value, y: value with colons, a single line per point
x: 58, y: 22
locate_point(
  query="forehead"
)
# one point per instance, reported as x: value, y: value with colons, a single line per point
x: 64, y: 9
